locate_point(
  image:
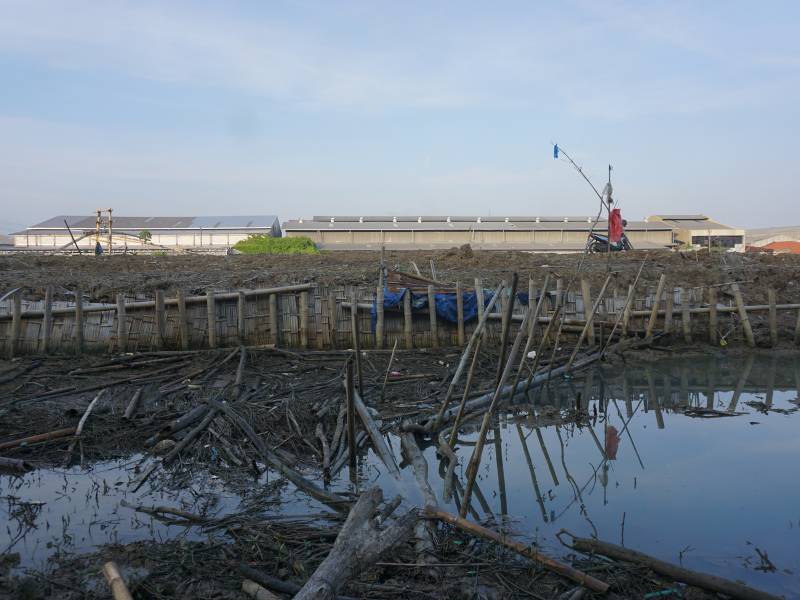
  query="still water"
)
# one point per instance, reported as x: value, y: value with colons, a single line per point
x: 710, y: 492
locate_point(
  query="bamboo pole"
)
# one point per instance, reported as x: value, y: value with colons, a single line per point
x: 773, y: 318
x: 626, y: 313
x: 118, y: 588
x: 351, y: 417
x: 122, y: 325
x: 303, y: 308
x: 460, y: 313
x: 241, y: 323
x: 379, y: 323
x: 479, y: 296
x: 274, y: 332
x: 651, y: 324
x: 432, y: 315
x: 712, y: 315
x: 183, y: 322
x: 586, y: 292
x: 408, y: 322
x: 77, y: 333
x: 507, y: 312
x: 686, y: 316
x: 332, y: 316
x: 740, y: 306
x: 465, y: 395
x: 211, y: 314
x: 531, y: 330
x: 527, y: 551
x: 378, y: 443
x: 40, y: 437
x: 669, y: 309
x: 588, y: 326
x: 356, y: 341
x: 388, y: 370
x: 47, y: 319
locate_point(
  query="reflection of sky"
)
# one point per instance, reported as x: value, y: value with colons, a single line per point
x: 709, y: 485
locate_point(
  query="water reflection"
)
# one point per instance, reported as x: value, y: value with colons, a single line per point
x: 674, y: 458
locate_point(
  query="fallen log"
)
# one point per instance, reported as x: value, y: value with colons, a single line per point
x: 118, y: 588
x: 359, y: 544
x: 133, y: 405
x: 565, y: 570
x: 41, y: 437
x: 423, y: 530
x: 273, y: 583
x: 252, y: 589
x: 695, y: 578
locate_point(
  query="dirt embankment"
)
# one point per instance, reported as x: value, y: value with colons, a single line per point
x: 103, y: 277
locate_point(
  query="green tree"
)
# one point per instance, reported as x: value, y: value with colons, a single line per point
x: 145, y: 235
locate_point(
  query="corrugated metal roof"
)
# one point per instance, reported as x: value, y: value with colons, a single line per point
x: 444, y: 219
x: 122, y: 222
x: 680, y: 217
x: 527, y: 225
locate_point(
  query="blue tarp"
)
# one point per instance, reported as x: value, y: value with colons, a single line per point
x: 445, y: 304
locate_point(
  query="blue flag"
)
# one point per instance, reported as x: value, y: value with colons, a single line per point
x: 555, y: 151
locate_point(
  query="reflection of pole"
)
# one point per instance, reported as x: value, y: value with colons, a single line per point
x: 770, y: 381
x: 534, y: 480
x: 654, y: 397
x: 626, y: 395
x: 748, y: 365
x: 501, y: 473
x: 547, y: 456
x: 628, y: 431
x: 711, y: 389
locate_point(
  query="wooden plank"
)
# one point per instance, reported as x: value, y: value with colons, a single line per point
x: 183, y: 322
x: 432, y: 314
x: 159, y: 314
x: 460, y: 313
x: 379, y: 322
x: 651, y: 323
x: 211, y: 317
x: 303, y: 308
x: 241, y: 323
x: 740, y: 306
x: 77, y: 333
x: 16, y: 324
x: 586, y: 293
x: 274, y: 334
x: 686, y: 316
x: 773, y: 318
x: 669, y: 308
x: 408, y: 322
x: 122, y: 325
x: 713, y: 319
x: 47, y: 320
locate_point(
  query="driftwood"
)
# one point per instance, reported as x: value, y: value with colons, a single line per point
x: 695, y: 578
x: 118, y: 588
x: 359, y: 544
x: 41, y: 437
x: 133, y: 405
x: 423, y: 531
x: 378, y: 443
x: 273, y: 583
x: 553, y: 565
x: 252, y: 589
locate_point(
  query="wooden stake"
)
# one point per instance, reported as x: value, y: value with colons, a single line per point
x: 773, y: 318
x: 651, y: 324
x: 118, y: 588
x: 78, y: 331
x: 587, y: 313
x: 686, y: 316
x: 432, y: 314
x: 712, y: 315
x: 460, y: 313
x: 356, y: 340
x: 479, y: 296
x: 588, y: 326
x: 241, y: 323
x: 122, y: 325
x: 626, y: 313
x: 379, y: 323
x: 274, y: 332
x: 508, y: 310
x: 16, y: 325
x: 159, y: 314
x: 748, y: 330
x: 303, y: 319
x: 388, y: 370
x: 332, y: 317
x: 408, y: 323
x: 183, y: 321
x: 211, y: 314
x: 47, y: 319
x: 351, y: 416
x: 669, y: 309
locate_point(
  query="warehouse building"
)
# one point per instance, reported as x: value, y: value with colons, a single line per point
x: 139, y: 232
x: 530, y: 233
x: 699, y: 230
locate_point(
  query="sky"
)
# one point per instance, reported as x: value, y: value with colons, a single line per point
x: 302, y: 108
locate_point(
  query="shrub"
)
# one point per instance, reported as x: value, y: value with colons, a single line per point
x: 264, y: 244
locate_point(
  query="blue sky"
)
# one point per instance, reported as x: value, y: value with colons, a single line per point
x: 301, y: 108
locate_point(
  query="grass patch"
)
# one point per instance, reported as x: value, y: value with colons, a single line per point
x: 264, y: 244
